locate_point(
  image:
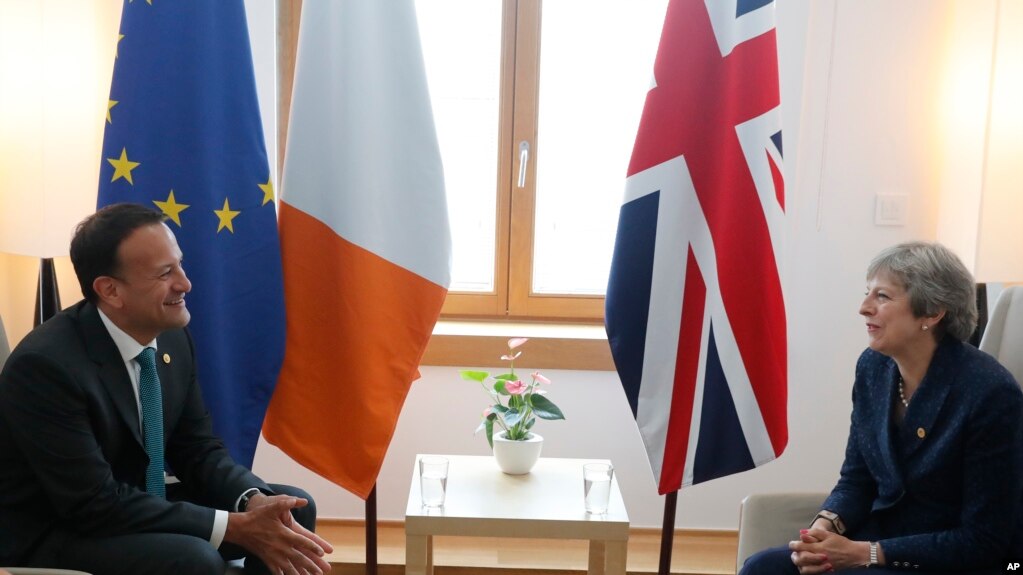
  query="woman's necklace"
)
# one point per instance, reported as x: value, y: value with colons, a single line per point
x: 902, y: 394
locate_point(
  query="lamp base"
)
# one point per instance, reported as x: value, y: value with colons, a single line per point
x: 47, y: 294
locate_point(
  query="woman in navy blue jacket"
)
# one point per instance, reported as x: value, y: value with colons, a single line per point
x: 933, y: 475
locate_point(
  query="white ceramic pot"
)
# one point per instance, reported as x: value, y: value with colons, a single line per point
x: 517, y: 457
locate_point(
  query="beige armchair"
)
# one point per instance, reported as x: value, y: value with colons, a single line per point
x: 772, y: 519
x: 1003, y: 336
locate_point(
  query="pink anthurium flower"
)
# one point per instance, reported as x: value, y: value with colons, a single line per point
x: 515, y: 387
x: 516, y: 404
x: 516, y: 342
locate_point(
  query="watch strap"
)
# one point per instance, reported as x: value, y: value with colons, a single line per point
x: 831, y: 517
x: 873, y: 555
x: 243, y: 501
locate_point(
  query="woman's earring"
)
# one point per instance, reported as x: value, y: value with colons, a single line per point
x: 925, y: 328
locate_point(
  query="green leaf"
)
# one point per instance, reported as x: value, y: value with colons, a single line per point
x: 512, y: 417
x: 489, y: 419
x: 515, y: 401
x: 499, y: 387
x: 499, y: 409
x: 474, y: 375
x: 530, y: 423
x: 545, y: 408
x: 505, y: 377
x: 488, y: 424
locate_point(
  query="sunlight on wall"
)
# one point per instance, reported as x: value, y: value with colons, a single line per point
x: 982, y: 151
x: 57, y: 56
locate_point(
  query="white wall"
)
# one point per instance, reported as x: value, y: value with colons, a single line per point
x: 863, y: 123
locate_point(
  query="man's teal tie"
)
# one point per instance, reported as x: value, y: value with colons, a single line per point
x: 152, y: 420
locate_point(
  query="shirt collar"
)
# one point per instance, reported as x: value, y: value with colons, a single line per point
x: 126, y: 344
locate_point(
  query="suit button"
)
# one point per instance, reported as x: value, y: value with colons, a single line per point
x: 921, y: 433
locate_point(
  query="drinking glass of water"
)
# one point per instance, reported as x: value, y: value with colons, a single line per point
x: 597, y: 486
x: 433, y: 480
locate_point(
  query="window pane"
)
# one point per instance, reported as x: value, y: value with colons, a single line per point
x: 596, y: 65
x: 462, y: 50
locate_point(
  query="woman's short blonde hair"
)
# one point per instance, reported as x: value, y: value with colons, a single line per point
x: 935, y: 279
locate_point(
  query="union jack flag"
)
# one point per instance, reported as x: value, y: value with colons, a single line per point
x: 695, y: 315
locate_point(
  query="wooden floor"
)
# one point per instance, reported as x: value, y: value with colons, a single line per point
x: 694, y: 552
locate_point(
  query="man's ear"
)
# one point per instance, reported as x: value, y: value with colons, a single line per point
x: 108, y: 291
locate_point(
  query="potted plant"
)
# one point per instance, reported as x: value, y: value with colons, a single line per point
x: 515, y: 405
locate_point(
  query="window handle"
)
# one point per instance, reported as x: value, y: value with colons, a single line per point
x: 523, y: 162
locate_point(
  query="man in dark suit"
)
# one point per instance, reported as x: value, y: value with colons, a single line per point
x: 81, y: 481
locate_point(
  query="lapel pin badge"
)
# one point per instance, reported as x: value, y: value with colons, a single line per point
x: 919, y: 431
x: 166, y: 358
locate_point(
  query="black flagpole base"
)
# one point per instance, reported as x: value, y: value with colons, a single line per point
x: 667, y: 533
x: 47, y: 295
x: 371, y: 532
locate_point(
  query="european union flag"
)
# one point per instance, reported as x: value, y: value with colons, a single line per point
x: 183, y: 134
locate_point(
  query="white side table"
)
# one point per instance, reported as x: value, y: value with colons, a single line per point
x: 546, y: 503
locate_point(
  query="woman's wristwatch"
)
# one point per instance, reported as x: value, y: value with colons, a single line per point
x: 832, y: 518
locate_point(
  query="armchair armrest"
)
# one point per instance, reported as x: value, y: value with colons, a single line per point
x: 772, y: 519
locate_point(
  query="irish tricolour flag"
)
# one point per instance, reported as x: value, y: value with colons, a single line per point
x: 364, y: 237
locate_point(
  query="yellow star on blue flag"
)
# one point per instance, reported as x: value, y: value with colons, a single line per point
x: 123, y: 167
x: 268, y: 191
x: 171, y: 208
x: 226, y: 215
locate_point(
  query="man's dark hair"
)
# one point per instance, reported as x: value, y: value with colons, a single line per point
x: 97, y: 238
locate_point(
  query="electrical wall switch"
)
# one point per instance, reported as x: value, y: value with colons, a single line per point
x: 890, y: 209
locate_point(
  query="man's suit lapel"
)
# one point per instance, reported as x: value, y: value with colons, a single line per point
x: 112, y: 372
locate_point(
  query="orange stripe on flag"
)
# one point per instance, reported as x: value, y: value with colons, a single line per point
x: 357, y: 326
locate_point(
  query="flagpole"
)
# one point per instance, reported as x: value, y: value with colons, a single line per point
x: 371, y: 532
x: 667, y: 533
